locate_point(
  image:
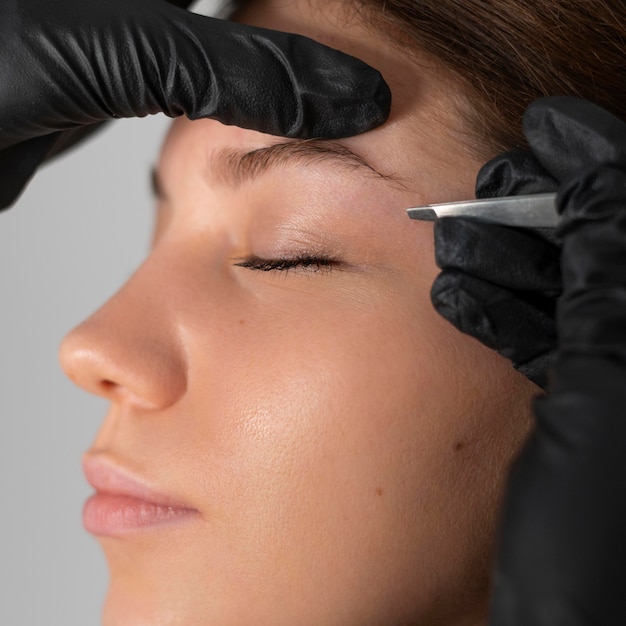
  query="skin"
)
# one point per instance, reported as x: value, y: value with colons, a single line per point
x: 345, y: 446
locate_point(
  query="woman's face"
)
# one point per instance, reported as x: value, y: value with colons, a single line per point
x: 338, y: 447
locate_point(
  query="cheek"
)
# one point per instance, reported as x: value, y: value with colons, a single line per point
x: 345, y: 425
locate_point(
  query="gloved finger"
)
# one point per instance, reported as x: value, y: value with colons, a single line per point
x: 485, y: 311
x: 512, y: 258
x: 593, y: 308
x: 134, y: 58
x: 568, y: 135
x: 513, y: 173
x: 278, y: 83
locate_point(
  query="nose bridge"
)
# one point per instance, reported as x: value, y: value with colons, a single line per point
x: 130, y: 349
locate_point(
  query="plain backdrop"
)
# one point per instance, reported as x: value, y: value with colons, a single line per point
x: 73, y: 239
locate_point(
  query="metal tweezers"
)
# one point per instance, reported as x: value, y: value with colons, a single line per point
x: 532, y: 211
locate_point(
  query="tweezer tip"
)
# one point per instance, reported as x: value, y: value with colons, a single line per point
x: 423, y: 214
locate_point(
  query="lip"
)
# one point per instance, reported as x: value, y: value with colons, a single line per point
x: 125, y: 504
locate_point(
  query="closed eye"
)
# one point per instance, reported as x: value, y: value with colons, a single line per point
x: 305, y: 263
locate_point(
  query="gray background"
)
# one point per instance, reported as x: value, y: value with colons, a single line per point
x: 73, y: 239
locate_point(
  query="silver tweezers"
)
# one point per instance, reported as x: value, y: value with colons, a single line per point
x: 533, y: 211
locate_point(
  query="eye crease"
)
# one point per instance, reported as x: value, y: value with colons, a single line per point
x: 306, y: 263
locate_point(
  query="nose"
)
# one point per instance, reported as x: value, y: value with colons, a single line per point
x: 129, y: 351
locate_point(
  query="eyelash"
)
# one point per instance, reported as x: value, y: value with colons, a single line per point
x: 306, y: 262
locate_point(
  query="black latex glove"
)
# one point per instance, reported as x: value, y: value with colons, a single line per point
x: 71, y: 64
x: 500, y: 284
x: 562, y: 558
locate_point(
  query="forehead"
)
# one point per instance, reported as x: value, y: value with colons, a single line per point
x: 425, y: 134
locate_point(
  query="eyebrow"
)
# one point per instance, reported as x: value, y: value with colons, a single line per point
x: 234, y: 167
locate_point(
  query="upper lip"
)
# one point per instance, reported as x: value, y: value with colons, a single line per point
x: 106, y: 476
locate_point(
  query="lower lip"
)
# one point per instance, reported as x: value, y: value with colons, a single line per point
x: 115, y: 515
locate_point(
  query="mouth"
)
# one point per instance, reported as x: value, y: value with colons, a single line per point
x: 123, y: 503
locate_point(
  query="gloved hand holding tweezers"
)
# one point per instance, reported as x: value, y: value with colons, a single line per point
x: 562, y: 550
x: 67, y: 66
x: 501, y: 284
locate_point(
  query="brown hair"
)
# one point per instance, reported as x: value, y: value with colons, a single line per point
x: 510, y: 52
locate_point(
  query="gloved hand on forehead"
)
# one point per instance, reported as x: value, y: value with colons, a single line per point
x: 68, y: 66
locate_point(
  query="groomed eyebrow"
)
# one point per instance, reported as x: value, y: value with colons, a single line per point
x: 234, y: 167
